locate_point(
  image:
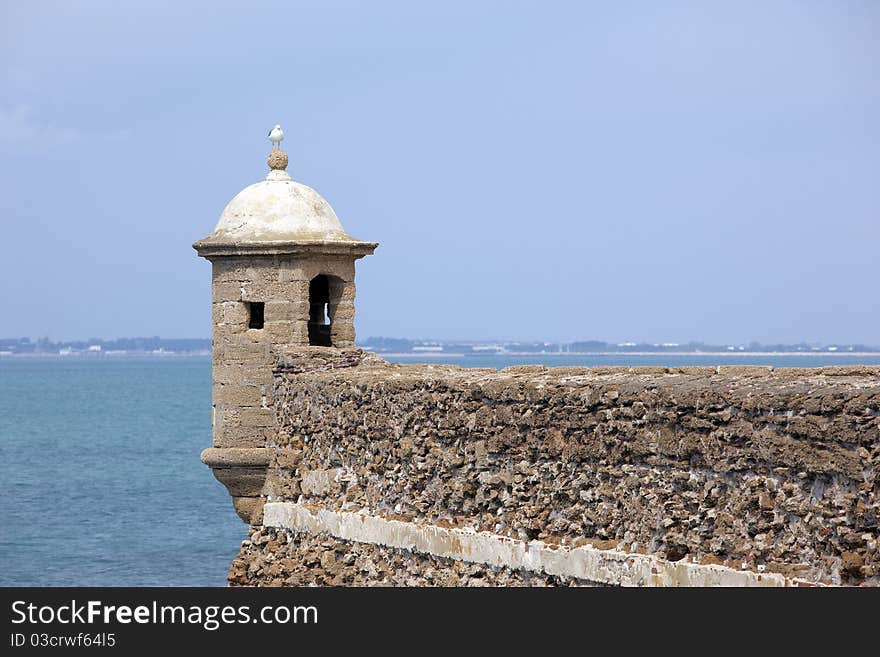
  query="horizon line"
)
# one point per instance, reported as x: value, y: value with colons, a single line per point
x: 623, y: 343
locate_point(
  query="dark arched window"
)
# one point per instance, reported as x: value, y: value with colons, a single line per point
x: 319, y: 319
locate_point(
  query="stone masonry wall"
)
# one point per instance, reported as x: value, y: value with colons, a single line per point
x: 271, y: 557
x: 243, y: 357
x: 756, y: 469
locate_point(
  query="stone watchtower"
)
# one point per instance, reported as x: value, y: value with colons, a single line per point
x: 282, y: 280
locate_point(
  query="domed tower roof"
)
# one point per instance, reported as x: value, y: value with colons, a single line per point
x: 279, y: 212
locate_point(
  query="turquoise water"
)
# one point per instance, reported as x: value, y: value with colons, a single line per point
x: 100, y: 470
x: 102, y: 482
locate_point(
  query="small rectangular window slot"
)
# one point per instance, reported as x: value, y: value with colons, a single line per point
x: 255, y: 314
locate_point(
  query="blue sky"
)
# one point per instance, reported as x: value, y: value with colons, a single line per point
x: 532, y: 170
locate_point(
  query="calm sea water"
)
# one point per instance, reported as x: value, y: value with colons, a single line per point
x: 102, y: 483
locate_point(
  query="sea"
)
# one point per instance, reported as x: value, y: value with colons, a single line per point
x: 99, y: 463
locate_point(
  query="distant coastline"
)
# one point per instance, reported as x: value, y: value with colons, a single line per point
x: 565, y: 354
x: 426, y: 349
x: 426, y: 355
x: 107, y: 354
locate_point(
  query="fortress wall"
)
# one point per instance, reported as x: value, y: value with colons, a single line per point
x: 736, y: 475
x: 272, y: 556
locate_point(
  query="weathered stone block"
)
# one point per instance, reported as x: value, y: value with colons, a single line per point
x: 342, y: 312
x: 242, y: 395
x: 300, y: 332
x: 226, y: 374
x: 256, y: 374
x: 288, y: 458
x: 244, y: 352
x: 340, y: 331
x: 241, y: 481
x: 279, y: 332
x: 292, y: 269
x: 225, y: 270
x: 261, y: 273
x: 256, y: 417
x: 242, y: 437
x: 318, y: 482
x: 230, y: 312
x: 228, y: 291
x: 287, y: 311
x: 249, y: 509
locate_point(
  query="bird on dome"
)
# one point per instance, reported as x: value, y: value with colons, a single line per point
x: 276, y: 135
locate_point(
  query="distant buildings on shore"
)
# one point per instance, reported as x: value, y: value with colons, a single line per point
x: 98, y: 347
x: 202, y: 346
x: 482, y: 348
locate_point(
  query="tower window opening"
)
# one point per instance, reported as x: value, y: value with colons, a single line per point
x: 319, y: 318
x: 256, y: 312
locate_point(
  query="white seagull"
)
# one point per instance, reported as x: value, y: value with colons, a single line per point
x: 276, y: 134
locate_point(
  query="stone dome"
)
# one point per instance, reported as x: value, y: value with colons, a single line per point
x: 278, y: 209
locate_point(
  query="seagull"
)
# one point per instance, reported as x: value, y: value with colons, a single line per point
x: 276, y: 134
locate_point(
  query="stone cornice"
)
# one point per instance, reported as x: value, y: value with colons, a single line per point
x: 237, y: 457
x: 207, y: 248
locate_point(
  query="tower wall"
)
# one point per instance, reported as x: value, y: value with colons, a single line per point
x: 243, y: 357
x: 272, y: 240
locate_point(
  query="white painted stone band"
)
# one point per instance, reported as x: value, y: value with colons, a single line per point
x: 587, y: 563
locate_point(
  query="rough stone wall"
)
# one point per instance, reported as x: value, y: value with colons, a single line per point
x: 271, y: 557
x: 774, y: 471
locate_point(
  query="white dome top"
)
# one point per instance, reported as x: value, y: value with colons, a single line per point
x: 278, y: 209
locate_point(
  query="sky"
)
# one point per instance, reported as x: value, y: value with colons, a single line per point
x: 544, y: 170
